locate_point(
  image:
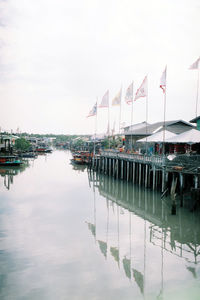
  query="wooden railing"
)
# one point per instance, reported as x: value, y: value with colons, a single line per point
x: 145, y: 159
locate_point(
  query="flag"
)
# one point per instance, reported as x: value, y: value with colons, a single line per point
x: 117, y: 99
x: 92, y: 228
x: 129, y: 94
x: 195, y: 65
x: 142, y: 91
x: 105, y: 100
x: 163, y: 80
x: 127, y: 267
x: 103, y: 247
x: 93, y: 111
x: 139, y: 278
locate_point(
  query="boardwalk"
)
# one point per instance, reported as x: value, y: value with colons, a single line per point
x: 178, y: 176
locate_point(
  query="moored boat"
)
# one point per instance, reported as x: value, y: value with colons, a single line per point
x: 81, y: 157
x: 10, y: 161
x: 43, y: 150
x: 77, y: 158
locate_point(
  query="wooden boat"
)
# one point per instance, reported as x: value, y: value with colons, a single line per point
x: 28, y: 155
x: 81, y: 157
x: 78, y: 159
x: 43, y: 150
x: 10, y: 161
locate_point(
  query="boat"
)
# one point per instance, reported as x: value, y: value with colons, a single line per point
x: 77, y: 158
x: 10, y: 161
x: 81, y: 157
x: 28, y: 155
x: 43, y: 150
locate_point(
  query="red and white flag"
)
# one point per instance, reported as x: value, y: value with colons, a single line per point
x: 195, y: 65
x: 143, y: 90
x: 105, y: 100
x: 163, y: 80
x: 129, y: 94
x: 93, y: 111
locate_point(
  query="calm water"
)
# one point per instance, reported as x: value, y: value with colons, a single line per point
x: 66, y: 233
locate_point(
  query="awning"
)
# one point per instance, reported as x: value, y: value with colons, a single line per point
x: 157, y: 137
x: 189, y: 137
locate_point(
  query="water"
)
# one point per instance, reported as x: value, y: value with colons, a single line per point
x: 66, y: 233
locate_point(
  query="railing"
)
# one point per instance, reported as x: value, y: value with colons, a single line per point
x: 156, y: 159
x: 190, y: 163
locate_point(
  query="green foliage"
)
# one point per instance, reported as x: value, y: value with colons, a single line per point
x: 22, y: 144
x: 115, y: 142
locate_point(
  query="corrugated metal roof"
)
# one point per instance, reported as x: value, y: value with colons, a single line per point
x: 176, y: 127
x: 157, y: 137
x: 190, y: 137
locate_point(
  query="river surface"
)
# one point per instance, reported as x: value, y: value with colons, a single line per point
x: 67, y: 233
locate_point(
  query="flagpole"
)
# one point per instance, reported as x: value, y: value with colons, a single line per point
x: 164, y: 117
x: 108, y: 123
x: 197, y: 97
x: 95, y: 132
x: 120, y: 110
x: 146, y: 114
x: 132, y: 121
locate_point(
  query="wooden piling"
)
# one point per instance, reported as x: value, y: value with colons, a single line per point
x: 140, y: 173
x: 146, y: 176
x: 133, y: 172
x: 127, y: 171
x: 181, y: 188
x: 122, y: 168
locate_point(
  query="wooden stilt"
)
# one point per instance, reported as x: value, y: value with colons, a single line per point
x: 181, y: 189
x: 154, y: 179
x: 122, y: 168
x: 127, y: 171
x: 140, y: 173
x: 146, y: 176
x: 133, y: 172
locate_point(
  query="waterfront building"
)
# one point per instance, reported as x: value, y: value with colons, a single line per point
x: 141, y: 130
x: 197, y: 121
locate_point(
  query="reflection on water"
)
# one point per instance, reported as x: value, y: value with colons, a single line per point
x: 8, y: 173
x: 68, y: 233
x: 178, y: 235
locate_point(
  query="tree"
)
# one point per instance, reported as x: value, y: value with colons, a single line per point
x: 22, y: 144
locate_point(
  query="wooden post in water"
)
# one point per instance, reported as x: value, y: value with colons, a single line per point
x: 140, y: 171
x: 154, y: 179
x: 122, y: 168
x: 173, y: 195
x: 196, y: 181
x: 110, y: 161
x: 146, y: 176
x: 127, y: 177
x: 117, y: 166
x: 106, y: 165
x: 181, y: 188
x: 113, y: 168
x: 133, y: 172
x: 103, y: 162
x: 163, y: 179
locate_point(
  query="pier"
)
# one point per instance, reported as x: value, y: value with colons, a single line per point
x: 177, y: 177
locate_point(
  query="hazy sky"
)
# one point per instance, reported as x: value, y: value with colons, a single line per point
x: 58, y: 56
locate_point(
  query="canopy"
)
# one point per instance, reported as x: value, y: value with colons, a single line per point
x: 157, y: 137
x: 189, y: 137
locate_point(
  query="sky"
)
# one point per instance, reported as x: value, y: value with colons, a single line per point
x: 58, y: 57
